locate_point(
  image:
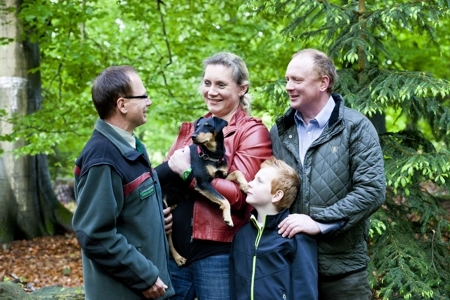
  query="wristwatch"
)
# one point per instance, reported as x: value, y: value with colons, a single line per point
x: 186, y: 173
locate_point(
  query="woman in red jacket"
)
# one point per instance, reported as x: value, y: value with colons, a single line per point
x: 199, y: 233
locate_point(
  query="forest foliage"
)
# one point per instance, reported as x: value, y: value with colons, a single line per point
x: 392, y: 58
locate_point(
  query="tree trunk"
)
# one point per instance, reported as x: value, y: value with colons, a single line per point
x: 379, y: 121
x: 29, y: 207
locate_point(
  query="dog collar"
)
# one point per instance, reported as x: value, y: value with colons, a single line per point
x: 206, y: 157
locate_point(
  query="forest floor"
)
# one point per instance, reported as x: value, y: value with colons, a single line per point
x: 43, y: 261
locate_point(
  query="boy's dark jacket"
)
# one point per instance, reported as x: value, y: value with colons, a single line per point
x: 265, y: 265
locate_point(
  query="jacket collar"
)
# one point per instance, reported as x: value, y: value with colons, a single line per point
x: 271, y: 221
x: 335, y: 115
x: 115, y: 138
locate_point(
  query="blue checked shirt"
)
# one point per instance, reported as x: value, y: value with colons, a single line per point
x: 308, y: 133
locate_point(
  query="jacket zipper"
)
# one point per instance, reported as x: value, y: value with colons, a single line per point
x: 258, y: 238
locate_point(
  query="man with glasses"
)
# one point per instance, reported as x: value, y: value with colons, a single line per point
x: 119, y: 221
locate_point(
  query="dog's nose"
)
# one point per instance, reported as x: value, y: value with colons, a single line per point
x: 194, y: 136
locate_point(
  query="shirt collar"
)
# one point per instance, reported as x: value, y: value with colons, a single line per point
x: 125, y: 134
x: 323, y: 116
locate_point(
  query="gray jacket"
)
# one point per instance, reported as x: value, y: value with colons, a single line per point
x: 342, y: 181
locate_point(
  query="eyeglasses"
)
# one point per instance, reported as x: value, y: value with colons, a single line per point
x: 145, y: 97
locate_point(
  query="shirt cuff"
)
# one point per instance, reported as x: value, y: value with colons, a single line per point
x: 330, y: 227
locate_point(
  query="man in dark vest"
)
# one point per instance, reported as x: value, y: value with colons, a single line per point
x: 119, y: 221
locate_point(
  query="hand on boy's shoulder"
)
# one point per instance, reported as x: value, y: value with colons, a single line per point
x: 296, y: 223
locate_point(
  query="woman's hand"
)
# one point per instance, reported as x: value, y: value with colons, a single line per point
x: 180, y: 161
x: 168, y: 220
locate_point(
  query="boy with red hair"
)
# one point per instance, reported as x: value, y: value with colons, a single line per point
x: 263, y: 264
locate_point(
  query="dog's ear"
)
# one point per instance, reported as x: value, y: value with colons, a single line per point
x: 196, y: 121
x: 219, y: 123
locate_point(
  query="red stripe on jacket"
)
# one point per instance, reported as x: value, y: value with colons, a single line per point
x: 130, y: 187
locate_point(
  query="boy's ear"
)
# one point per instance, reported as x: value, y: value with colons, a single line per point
x: 277, y: 196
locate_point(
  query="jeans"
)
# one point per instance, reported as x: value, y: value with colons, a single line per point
x: 206, y: 279
x: 354, y: 287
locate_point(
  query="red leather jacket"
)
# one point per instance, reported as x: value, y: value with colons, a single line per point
x: 247, y: 144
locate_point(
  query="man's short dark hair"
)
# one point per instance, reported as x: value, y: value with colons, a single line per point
x: 110, y: 85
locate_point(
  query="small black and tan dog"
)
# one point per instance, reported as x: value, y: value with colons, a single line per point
x: 207, y: 162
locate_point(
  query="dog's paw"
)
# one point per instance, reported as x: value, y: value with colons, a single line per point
x: 238, y: 177
x: 229, y: 222
x: 244, y: 187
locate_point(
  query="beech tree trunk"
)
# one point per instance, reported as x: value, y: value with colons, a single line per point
x: 28, y: 205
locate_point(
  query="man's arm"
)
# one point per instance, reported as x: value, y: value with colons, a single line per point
x: 296, y: 223
x: 368, y: 180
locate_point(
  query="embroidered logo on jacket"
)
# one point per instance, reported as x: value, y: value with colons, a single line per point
x: 147, y: 192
